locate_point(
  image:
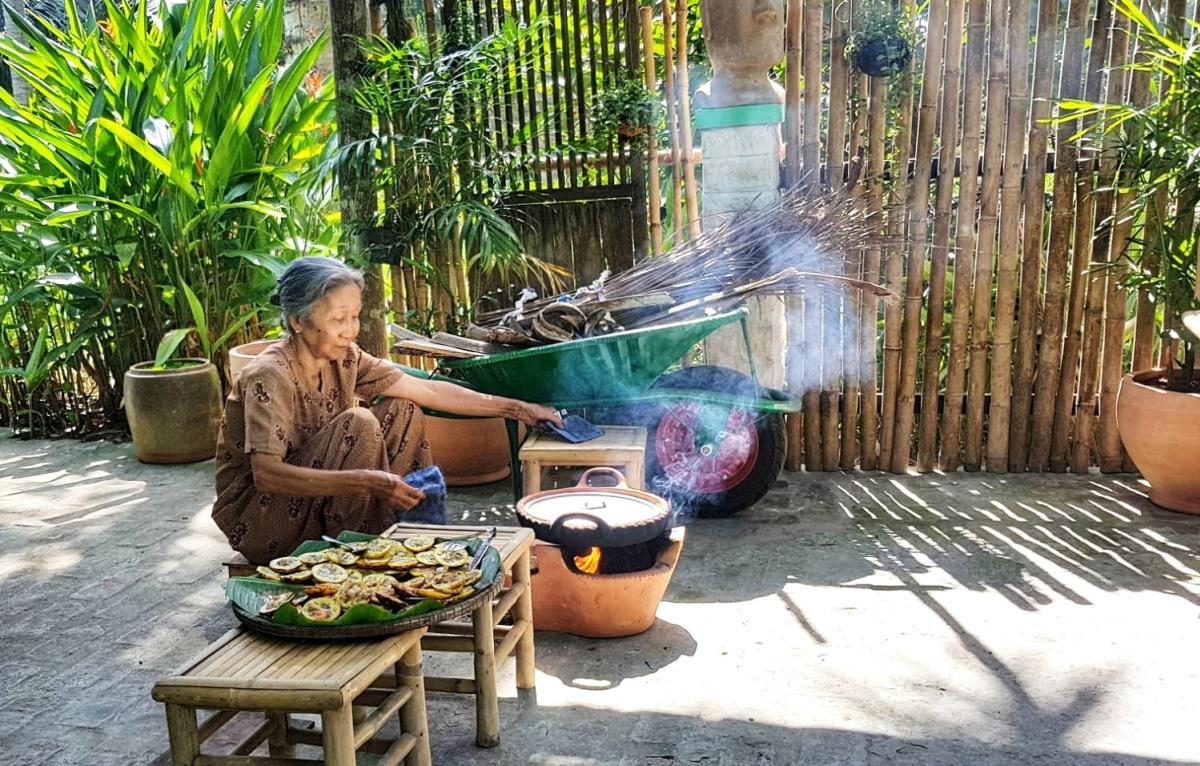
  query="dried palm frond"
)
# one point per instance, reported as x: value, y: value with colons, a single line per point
x: 797, y: 244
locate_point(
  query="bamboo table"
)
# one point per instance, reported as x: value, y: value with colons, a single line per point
x: 479, y: 634
x: 245, y: 671
x: 621, y: 446
x: 483, y: 635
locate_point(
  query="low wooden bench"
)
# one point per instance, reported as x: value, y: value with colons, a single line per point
x: 621, y: 447
x: 357, y: 687
x: 482, y: 634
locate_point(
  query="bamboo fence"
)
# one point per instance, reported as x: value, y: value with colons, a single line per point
x: 1010, y: 339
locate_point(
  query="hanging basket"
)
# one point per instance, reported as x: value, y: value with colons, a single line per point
x: 882, y: 56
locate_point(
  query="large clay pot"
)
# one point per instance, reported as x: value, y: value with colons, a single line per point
x: 240, y: 356
x: 469, y: 451
x: 1161, y: 432
x: 174, y: 414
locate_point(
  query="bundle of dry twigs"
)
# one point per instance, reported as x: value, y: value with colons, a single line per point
x: 797, y: 245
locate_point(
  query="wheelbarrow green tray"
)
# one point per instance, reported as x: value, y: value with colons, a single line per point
x: 247, y: 595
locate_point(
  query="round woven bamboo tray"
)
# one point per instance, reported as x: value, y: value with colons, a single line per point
x: 368, y: 630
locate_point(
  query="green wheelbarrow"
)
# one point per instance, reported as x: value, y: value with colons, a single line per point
x: 716, y: 436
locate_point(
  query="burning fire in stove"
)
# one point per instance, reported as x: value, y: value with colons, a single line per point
x: 589, y: 563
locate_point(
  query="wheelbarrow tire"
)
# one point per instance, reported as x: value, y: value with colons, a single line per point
x: 751, y: 474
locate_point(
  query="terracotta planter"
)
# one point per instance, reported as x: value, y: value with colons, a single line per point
x: 469, y: 451
x: 173, y: 414
x: 240, y: 356
x: 1161, y: 432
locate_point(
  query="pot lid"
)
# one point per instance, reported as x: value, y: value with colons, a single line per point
x: 616, y: 508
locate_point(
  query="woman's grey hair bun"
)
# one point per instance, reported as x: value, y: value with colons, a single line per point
x: 306, y: 281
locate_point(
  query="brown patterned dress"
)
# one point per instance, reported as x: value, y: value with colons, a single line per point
x: 273, y: 411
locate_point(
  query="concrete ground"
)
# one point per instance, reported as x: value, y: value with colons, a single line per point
x: 856, y: 618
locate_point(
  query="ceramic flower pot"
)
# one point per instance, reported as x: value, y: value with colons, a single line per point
x: 469, y: 451
x: 174, y: 414
x: 1161, y: 431
x: 240, y: 356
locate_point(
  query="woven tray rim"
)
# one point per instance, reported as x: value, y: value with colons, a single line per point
x: 368, y: 630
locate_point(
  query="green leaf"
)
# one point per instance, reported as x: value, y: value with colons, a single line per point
x: 170, y: 344
x: 147, y: 152
x: 199, y: 317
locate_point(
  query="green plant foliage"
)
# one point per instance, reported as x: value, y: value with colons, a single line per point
x: 447, y: 168
x: 1158, y: 152
x: 160, y: 175
x: 626, y: 112
x: 882, y: 41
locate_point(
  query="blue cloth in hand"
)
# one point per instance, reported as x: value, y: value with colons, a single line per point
x: 431, y: 510
x: 576, y: 430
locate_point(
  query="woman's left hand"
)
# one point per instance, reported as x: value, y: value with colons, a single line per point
x: 532, y: 414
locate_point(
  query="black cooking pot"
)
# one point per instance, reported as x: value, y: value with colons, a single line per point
x: 606, y: 517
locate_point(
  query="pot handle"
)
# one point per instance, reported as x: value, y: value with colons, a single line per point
x: 620, y: 477
x: 558, y: 529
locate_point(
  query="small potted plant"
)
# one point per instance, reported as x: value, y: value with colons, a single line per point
x: 626, y: 112
x: 173, y: 405
x: 881, y: 43
x: 1158, y: 410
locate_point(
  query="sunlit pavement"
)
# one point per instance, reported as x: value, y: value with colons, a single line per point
x: 847, y: 619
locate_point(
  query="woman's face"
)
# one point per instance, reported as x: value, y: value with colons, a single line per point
x: 333, y: 325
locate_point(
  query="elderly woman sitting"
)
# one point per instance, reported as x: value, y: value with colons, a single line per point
x: 298, y: 456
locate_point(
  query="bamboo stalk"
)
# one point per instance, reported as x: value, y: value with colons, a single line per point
x: 964, y: 236
x: 1027, y: 320
x: 1052, y: 347
x: 869, y: 317
x: 948, y: 135
x: 985, y: 251
x: 840, y: 352
x: 656, y: 235
x: 1009, y: 260
x: 1068, y: 381
x: 672, y: 126
x: 685, y: 118
x: 793, y: 98
x: 918, y: 236
x: 811, y: 55
x: 1136, y: 90
x: 813, y: 326
x: 897, y: 221
x: 1093, y: 312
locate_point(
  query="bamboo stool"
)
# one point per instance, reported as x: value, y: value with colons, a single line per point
x: 479, y: 634
x: 622, y: 447
x: 244, y: 671
x: 482, y: 635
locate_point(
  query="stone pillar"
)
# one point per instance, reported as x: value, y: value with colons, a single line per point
x: 738, y: 114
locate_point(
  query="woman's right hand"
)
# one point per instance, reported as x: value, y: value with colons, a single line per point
x: 390, y: 488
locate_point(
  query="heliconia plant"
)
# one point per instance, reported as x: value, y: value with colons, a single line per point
x: 160, y: 175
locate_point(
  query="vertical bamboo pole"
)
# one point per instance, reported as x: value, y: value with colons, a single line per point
x: 869, y: 316
x: 656, y: 236
x: 985, y: 251
x: 1009, y: 260
x: 1031, y: 264
x: 840, y: 307
x: 672, y: 126
x: 813, y: 326
x: 964, y: 234
x: 935, y: 314
x: 1093, y: 312
x: 897, y: 221
x: 918, y: 212
x: 811, y: 149
x: 793, y: 135
x: 1051, y: 349
x: 1112, y: 458
x: 685, y: 118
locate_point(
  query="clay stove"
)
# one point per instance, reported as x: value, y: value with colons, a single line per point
x: 611, y: 602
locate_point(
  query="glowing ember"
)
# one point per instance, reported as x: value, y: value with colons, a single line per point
x: 589, y: 563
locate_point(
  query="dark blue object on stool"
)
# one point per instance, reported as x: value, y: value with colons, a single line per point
x: 431, y: 510
x: 576, y: 430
